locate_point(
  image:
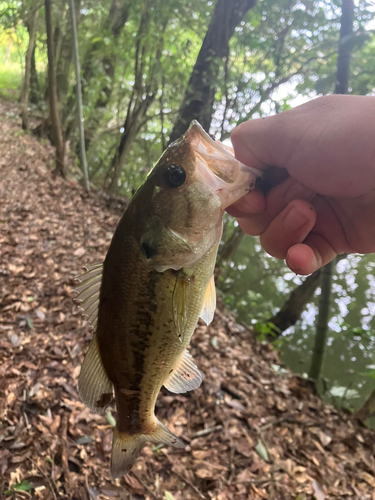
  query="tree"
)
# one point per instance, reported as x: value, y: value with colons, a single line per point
x: 341, y: 87
x: 31, y: 27
x: 368, y: 408
x: 79, y: 97
x: 200, y: 93
x: 57, y: 136
x: 112, y: 26
x: 143, y: 93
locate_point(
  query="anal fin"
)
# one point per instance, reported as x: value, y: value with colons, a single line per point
x: 185, y: 376
x: 209, y: 303
x: 94, y: 386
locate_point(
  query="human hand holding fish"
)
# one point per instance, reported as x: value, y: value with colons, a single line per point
x: 319, y: 165
x: 145, y: 300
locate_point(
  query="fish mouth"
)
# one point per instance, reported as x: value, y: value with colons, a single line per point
x: 217, y: 167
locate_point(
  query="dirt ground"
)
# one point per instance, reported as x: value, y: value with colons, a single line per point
x: 252, y: 431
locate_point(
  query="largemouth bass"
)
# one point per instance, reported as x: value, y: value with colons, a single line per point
x: 144, y: 301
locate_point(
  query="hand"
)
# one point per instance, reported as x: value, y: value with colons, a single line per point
x: 320, y: 199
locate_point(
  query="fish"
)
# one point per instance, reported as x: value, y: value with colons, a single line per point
x: 157, y: 280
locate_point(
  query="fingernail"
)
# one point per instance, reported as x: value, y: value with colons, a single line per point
x: 294, y: 220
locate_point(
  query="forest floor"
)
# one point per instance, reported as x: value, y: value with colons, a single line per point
x: 252, y: 431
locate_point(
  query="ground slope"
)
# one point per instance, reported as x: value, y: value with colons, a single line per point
x: 251, y: 433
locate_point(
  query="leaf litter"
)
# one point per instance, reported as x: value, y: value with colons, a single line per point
x: 251, y: 433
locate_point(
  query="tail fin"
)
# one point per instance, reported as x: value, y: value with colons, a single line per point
x: 126, y: 448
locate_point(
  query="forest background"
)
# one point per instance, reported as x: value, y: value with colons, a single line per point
x: 147, y: 69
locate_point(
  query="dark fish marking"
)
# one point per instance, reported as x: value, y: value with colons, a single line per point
x: 148, y: 250
x: 129, y: 403
x: 105, y: 400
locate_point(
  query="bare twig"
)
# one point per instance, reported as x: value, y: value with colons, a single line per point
x: 192, y: 486
x: 65, y: 452
x: 152, y: 493
x: 205, y: 432
x: 51, y: 482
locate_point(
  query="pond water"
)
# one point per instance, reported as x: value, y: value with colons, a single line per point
x: 255, y: 286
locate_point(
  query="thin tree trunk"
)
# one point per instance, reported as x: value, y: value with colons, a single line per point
x: 131, y: 127
x: 117, y: 17
x: 57, y: 136
x: 342, y: 78
x: 64, y: 56
x: 142, y: 96
x: 31, y: 27
x: 345, y: 48
x: 200, y: 93
x: 34, y: 93
x: 79, y: 97
x: 368, y: 408
x: 322, y: 323
x: 230, y: 247
x: 291, y: 311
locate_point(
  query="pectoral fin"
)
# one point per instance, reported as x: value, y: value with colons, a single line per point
x: 185, y: 376
x: 94, y: 386
x: 180, y: 304
x: 209, y: 303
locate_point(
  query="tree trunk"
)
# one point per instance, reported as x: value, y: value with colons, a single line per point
x: 64, y: 58
x: 79, y: 97
x: 342, y: 77
x: 291, y: 311
x: 131, y: 127
x: 117, y: 17
x: 345, y: 48
x: 200, y: 93
x: 322, y: 323
x: 368, y: 409
x: 57, y: 136
x: 230, y: 247
x: 34, y: 93
x: 31, y: 28
x: 142, y: 96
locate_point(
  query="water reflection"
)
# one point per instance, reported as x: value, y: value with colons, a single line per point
x: 256, y: 286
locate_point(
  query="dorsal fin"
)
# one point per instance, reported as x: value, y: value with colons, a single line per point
x: 209, y: 302
x: 185, y: 376
x: 88, y: 291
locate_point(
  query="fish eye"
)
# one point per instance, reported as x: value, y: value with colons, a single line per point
x: 174, y: 176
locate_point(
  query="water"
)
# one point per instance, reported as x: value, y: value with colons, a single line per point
x: 255, y: 286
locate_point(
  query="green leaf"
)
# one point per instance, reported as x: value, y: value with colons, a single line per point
x: 110, y: 419
x: 24, y: 485
x: 29, y: 323
x: 168, y: 495
x: 262, y: 451
x: 214, y: 342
